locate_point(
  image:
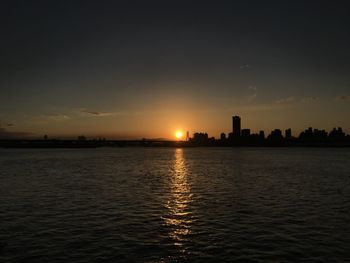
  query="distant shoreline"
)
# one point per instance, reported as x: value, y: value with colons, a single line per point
x: 158, y: 143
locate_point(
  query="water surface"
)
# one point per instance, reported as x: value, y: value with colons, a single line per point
x: 175, y: 205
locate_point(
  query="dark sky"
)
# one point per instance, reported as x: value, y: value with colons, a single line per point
x: 147, y: 68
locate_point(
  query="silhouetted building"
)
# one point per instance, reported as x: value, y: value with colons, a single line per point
x: 288, y: 133
x: 313, y: 136
x: 320, y: 135
x: 81, y: 138
x: 261, y: 135
x: 223, y: 136
x: 187, y: 136
x: 337, y: 135
x: 275, y: 136
x: 230, y: 136
x: 245, y: 133
x: 200, y: 138
x: 245, y: 138
x: 236, y: 126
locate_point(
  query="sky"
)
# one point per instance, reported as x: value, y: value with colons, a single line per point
x: 134, y: 69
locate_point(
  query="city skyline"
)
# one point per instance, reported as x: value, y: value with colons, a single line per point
x: 238, y: 134
x: 174, y: 134
x: 133, y: 70
x: 174, y: 131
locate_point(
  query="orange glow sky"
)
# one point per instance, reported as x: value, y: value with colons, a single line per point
x: 120, y: 70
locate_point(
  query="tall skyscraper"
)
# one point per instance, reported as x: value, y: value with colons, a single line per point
x: 236, y: 126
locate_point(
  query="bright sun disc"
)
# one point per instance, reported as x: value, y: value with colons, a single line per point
x: 179, y: 134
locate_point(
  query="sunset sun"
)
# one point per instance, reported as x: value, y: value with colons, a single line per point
x: 179, y: 135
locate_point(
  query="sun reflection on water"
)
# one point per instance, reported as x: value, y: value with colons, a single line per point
x: 179, y: 218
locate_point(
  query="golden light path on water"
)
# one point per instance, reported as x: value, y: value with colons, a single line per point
x: 179, y: 218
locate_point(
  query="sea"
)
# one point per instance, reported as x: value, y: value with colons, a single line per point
x: 175, y: 205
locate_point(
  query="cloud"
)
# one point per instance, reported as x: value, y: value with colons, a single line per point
x: 343, y: 97
x: 56, y: 117
x: 256, y: 107
x: 5, y: 134
x: 285, y: 100
x: 309, y: 99
x: 245, y: 66
x: 47, y: 117
x: 254, y: 88
x: 100, y: 113
x: 254, y: 94
x: 9, y: 124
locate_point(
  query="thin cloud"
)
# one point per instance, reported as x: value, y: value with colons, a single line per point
x: 254, y: 94
x: 7, y: 124
x: 254, y: 88
x: 310, y: 99
x: 256, y: 107
x: 245, y: 66
x: 56, y: 117
x: 285, y: 100
x: 100, y: 113
x: 5, y: 134
x: 343, y: 97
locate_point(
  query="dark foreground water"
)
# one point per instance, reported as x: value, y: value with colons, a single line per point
x: 175, y: 205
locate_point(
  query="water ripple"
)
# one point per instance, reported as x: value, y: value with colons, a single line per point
x: 174, y: 205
